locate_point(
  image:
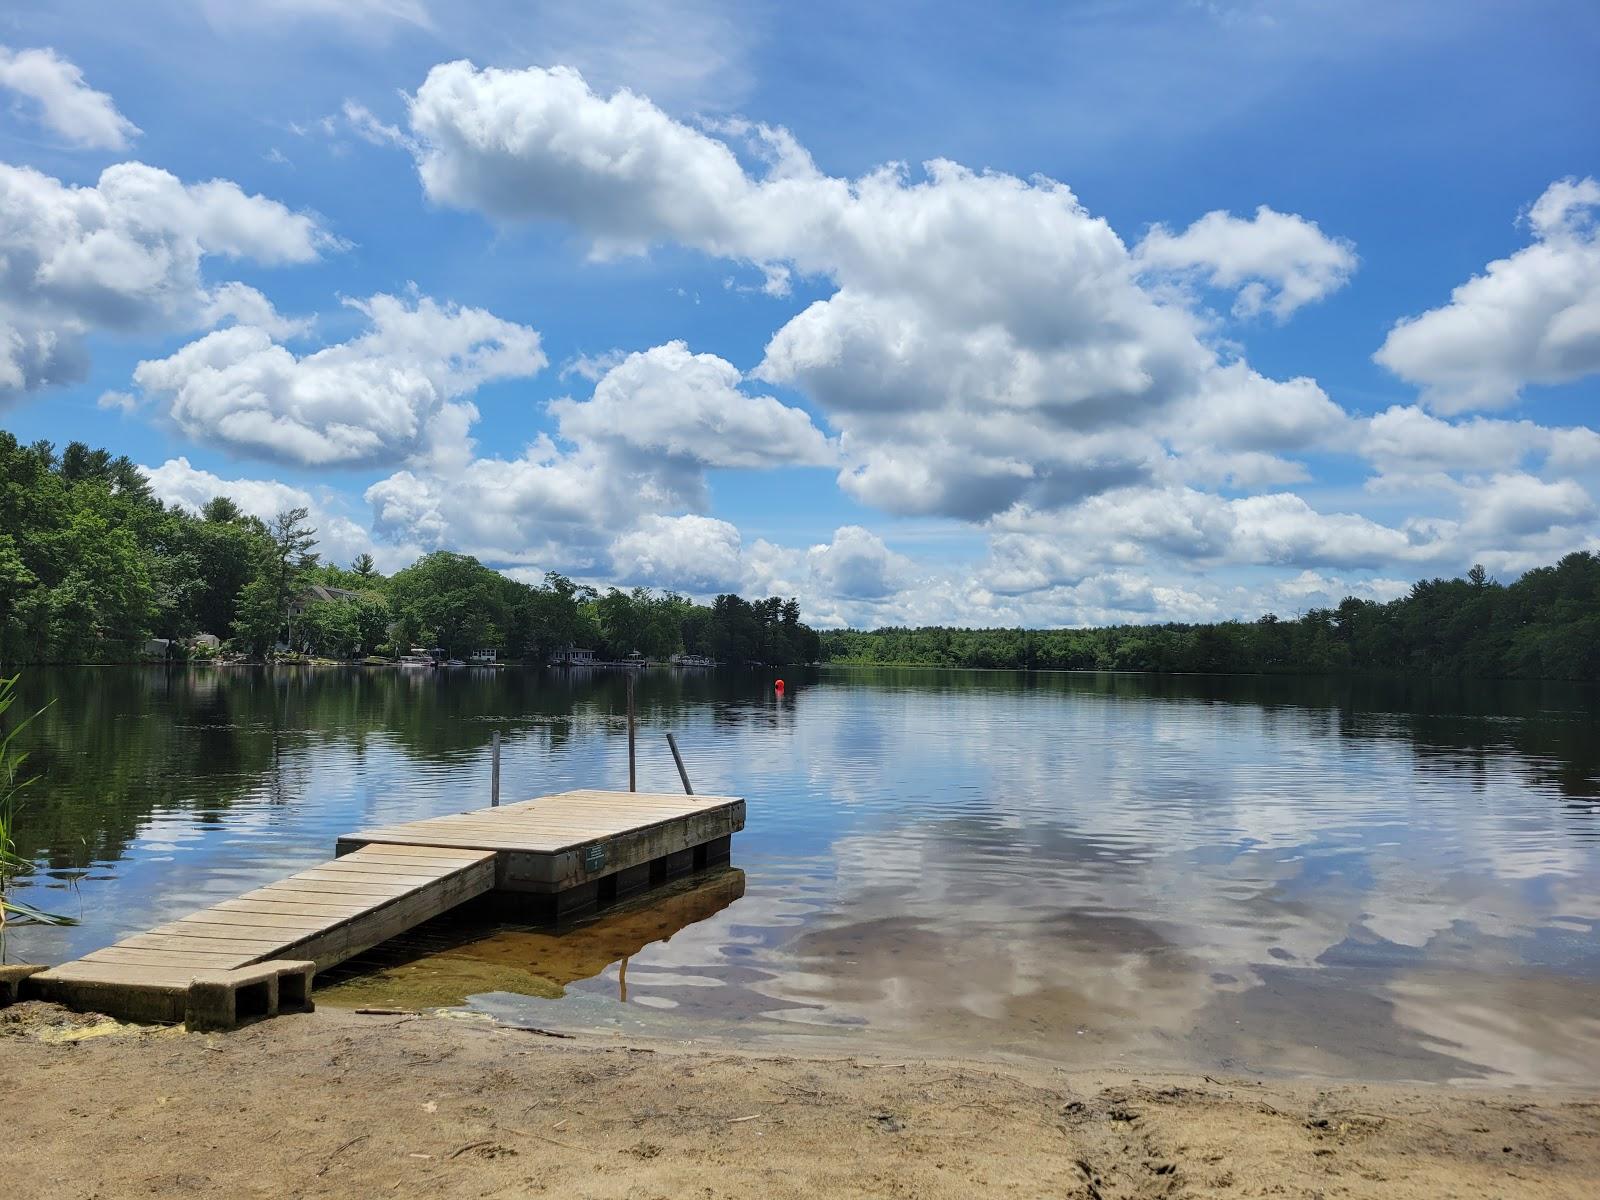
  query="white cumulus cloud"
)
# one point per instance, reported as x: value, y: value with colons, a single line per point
x: 695, y: 554
x: 1513, y: 505
x: 857, y: 565
x: 1280, y: 528
x: 638, y: 447
x: 395, y: 391
x: 670, y: 403
x: 244, y: 305
x: 1533, y: 317
x: 1182, y: 524
x: 1275, y: 262
x: 543, y: 508
x: 989, y: 341
x: 539, y: 143
x: 123, y: 255
x: 67, y: 105
x: 1405, y: 441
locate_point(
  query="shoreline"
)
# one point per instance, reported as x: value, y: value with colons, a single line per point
x: 337, y: 1103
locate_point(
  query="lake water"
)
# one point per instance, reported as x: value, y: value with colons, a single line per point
x: 1347, y: 878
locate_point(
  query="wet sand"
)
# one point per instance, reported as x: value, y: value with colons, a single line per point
x: 337, y: 1103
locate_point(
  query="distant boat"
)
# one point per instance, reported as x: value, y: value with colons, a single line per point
x: 424, y: 656
x: 453, y: 662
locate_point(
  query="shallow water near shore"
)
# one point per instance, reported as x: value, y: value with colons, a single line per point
x: 1287, y: 876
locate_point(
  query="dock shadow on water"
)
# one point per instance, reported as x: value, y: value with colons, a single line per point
x: 1343, y: 878
x: 453, y: 958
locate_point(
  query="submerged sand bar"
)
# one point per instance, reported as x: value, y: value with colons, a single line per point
x: 257, y: 953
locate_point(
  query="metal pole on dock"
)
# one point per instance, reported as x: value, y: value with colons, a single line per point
x: 494, y: 773
x: 678, y: 758
x: 633, y: 775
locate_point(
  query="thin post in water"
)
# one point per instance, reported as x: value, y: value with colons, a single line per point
x: 678, y: 758
x: 633, y: 776
x: 494, y: 771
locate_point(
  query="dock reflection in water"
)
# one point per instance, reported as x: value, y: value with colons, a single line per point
x: 450, y: 959
x: 1380, y: 879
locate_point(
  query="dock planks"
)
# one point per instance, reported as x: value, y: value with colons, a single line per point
x: 296, y: 921
x: 243, y: 955
x: 567, y: 845
x: 550, y: 824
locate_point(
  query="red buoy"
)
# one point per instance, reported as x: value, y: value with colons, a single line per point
x: 778, y: 687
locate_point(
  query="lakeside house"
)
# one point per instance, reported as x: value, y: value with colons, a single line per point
x: 316, y: 593
x: 484, y: 658
x: 319, y: 593
x: 572, y: 656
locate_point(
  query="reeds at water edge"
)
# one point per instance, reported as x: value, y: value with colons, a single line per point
x: 12, y: 787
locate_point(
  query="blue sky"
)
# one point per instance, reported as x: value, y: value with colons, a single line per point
x: 1210, y: 309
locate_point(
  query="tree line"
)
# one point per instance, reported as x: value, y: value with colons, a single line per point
x: 93, y: 567
x: 1545, y: 625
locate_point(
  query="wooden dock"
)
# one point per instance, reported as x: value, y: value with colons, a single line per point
x: 257, y: 954
x: 578, y: 849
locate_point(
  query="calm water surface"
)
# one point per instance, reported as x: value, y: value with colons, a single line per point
x: 1279, y: 875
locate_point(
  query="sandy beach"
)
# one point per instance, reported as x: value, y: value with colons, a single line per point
x: 338, y: 1103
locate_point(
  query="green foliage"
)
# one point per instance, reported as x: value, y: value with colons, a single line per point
x: 344, y: 628
x: 372, y: 619
x: 290, y: 561
x: 83, y: 554
x: 329, y: 630
x: 226, y: 552
x: 766, y: 631
x: 258, y: 616
x: 452, y: 601
x: 551, y: 617
x: 456, y: 603
x: 1545, y: 625
x: 92, y: 566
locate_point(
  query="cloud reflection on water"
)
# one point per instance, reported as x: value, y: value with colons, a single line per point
x: 1347, y: 878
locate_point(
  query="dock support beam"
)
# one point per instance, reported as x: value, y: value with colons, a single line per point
x: 494, y: 772
x: 678, y: 758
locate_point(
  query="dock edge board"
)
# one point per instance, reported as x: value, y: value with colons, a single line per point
x: 579, y: 861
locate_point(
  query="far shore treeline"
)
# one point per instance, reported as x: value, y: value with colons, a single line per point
x: 1546, y: 625
x: 93, y: 568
